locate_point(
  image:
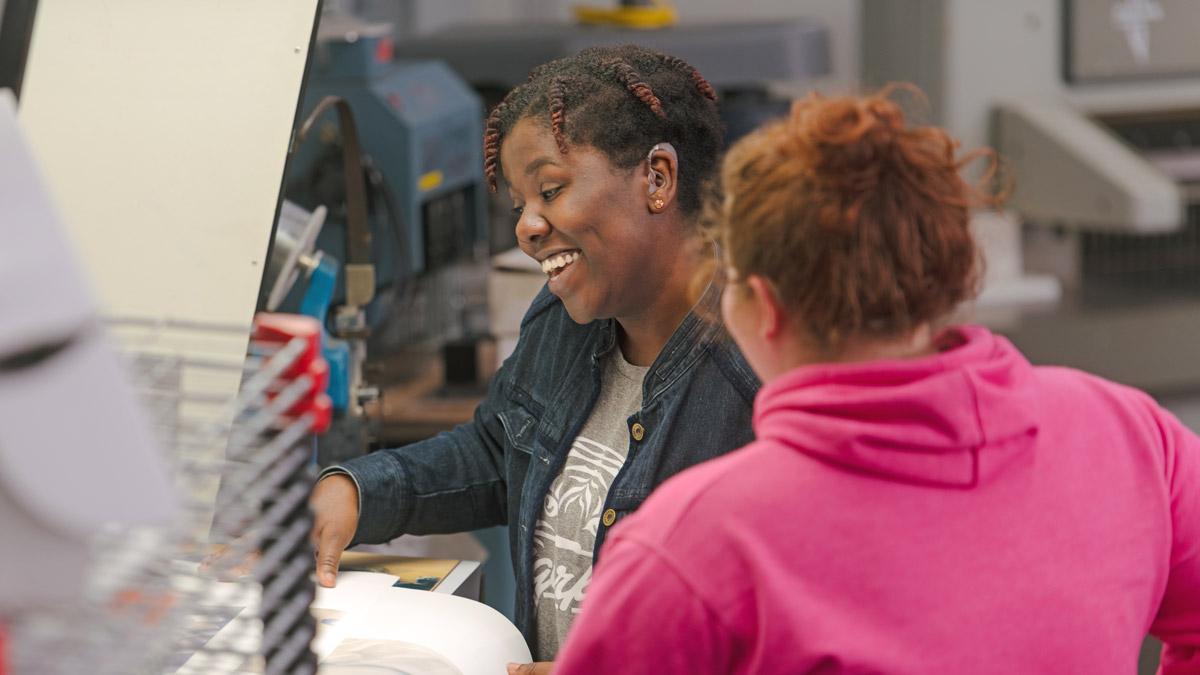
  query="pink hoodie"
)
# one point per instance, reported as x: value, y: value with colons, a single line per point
x: 961, y: 513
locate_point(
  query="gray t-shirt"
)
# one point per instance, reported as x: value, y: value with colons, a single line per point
x: 566, y: 532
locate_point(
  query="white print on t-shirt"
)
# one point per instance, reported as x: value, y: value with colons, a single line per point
x: 556, y: 583
x: 570, y: 519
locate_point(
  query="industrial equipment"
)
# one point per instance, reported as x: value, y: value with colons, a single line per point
x: 420, y: 128
x: 410, y: 132
x: 149, y: 606
x: 56, y: 364
x: 731, y: 55
x: 109, y: 461
x: 294, y: 263
x: 632, y: 13
x: 1095, y: 107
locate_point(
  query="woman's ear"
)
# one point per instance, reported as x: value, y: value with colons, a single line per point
x: 771, y: 316
x: 662, y: 177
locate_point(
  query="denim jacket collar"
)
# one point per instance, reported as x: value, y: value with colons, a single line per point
x: 702, y: 327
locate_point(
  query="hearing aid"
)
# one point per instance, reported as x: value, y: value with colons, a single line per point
x: 656, y: 178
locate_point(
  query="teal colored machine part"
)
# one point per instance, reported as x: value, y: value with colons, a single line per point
x: 422, y: 127
x: 316, y: 303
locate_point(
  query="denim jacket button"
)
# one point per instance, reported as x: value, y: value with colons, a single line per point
x: 610, y: 517
x: 638, y: 431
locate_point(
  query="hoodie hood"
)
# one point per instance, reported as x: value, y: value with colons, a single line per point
x: 950, y: 419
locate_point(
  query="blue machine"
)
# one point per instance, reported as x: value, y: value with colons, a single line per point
x: 420, y: 131
x: 293, y: 258
x: 316, y: 303
x: 421, y: 128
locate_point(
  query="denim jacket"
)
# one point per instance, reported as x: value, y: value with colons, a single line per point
x: 697, y: 400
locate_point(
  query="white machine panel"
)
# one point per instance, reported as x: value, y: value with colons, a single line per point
x: 163, y: 128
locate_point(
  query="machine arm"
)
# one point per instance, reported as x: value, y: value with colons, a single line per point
x: 360, y: 272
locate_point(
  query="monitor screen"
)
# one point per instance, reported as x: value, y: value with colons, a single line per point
x: 1130, y: 39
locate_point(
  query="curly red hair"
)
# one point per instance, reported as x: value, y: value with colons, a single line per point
x: 859, y: 223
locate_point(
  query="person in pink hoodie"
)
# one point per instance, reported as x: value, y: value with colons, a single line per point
x: 919, y: 498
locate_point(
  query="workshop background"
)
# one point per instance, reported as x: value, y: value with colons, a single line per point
x: 364, y: 205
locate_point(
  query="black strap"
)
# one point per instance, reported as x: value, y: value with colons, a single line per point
x: 358, y: 238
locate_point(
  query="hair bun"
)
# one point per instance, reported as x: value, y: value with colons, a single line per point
x: 851, y: 142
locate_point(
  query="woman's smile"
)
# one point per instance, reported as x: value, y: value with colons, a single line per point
x: 555, y: 264
x: 562, y: 268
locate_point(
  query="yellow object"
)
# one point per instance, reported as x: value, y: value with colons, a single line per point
x: 660, y: 15
x: 430, y: 180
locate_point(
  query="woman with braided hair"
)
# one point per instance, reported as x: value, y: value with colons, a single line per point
x: 617, y: 383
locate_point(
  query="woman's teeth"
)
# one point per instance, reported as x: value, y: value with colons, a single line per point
x: 549, y: 265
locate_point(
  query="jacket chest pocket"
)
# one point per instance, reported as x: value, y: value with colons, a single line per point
x: 521, y: 432
x: 520, y: 429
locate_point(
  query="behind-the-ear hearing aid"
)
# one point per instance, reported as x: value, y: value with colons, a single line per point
x: 656, y: 178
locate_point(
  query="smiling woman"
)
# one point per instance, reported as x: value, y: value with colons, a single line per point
x: 600, y: 235
x: 605, y: 154
x: 616, y: 383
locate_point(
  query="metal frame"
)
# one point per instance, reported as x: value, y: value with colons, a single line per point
x: 242, y: 470
x: 16, y: 32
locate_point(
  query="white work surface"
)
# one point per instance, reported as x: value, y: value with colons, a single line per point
x: 367, y: 621
x: 366, y: 624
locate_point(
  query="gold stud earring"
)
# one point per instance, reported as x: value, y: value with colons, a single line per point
x: 659, y: 203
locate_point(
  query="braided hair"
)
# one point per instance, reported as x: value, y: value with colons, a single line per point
x: 620, y: 100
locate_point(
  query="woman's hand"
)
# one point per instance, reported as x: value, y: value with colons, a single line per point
x: 542, y: 668
x: 228, y: 563
x: 334, y: 504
